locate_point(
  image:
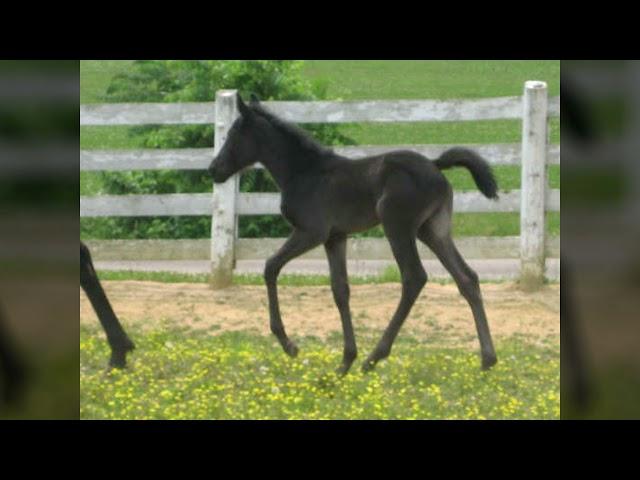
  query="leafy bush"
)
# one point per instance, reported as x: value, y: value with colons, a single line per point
x: 198, y: 81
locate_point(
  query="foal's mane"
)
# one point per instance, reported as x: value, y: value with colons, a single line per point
x: 292, y: 132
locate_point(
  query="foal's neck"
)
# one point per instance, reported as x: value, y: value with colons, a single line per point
x: 286, y: 163
x: 277, y: 167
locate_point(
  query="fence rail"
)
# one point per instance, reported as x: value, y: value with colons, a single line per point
x: 316, y: 112
x: 193, y: 204
x: 227, y: 203
x: 200, y: 158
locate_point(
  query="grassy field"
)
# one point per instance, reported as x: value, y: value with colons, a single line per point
x: 390, y: 274
x: 370, y: 79
x: 183, y: 374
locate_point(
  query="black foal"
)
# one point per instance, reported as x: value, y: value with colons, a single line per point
x: 116, y: 336
x: 325, y: 197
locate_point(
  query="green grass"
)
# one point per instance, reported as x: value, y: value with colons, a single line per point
x: 182, y: 374
x: 390, y: 274
x: 293, y: 280
x: 407, y: 79
x: 95, y: 76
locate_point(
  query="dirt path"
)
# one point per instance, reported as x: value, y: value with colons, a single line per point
x: 440, y: 312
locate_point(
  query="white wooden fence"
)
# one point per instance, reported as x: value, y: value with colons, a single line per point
x: 532, y: 200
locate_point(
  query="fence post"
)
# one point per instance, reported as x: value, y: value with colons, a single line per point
x: 533, y: 185
x: 223, y: 220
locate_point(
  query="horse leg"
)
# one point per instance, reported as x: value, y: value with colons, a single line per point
x: 404, y: 205
x: 435, y: 233
x: 336, y: 254
x: 116, y: 336
x: 298, y: 243
x: 403, y: 245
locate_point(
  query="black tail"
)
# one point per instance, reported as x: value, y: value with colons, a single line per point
x: 478, y: 166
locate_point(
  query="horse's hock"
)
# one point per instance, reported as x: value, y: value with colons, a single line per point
x: 531, y: 248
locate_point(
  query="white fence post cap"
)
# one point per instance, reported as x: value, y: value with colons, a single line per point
x: 535, y: 84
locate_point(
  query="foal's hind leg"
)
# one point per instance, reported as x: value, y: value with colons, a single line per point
x: 336, y: 254
x: 413, y: 280
x: 435, y: 232
x: 400, y: 209
x: 116, y: 336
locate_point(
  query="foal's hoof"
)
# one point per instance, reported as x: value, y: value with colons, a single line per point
x: 343, y: 369
x: 291, y: 349
x: 368, y: 365
x: 118, y: 360
x: 379, y: 353
x: 488, y: 362
x: 119, y: 357
x: 347, y: 360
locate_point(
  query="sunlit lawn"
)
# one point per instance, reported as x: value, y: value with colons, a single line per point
x: 180, y: 374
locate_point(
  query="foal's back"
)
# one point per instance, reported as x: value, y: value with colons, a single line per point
x: 350, y: 190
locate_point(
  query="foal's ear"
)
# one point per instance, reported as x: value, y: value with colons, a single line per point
x: 242, y: 107
x: 254, y: 99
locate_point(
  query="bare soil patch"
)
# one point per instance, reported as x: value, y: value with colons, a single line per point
x: 440, y: 313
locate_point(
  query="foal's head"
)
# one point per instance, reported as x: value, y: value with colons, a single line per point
x: 246, y: 142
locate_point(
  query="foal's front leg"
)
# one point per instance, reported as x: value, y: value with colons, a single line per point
x: 298, y: 243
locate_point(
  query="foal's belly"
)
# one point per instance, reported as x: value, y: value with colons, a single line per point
x: 352, y: 204
x: 355, y: 217
x: 362, y: 226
